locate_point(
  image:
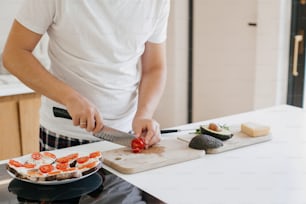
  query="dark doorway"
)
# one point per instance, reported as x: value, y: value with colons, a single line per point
x: 296, y: 77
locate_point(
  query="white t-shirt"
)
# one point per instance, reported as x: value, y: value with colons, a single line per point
x: 94, y: 46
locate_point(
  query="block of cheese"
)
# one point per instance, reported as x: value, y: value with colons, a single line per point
x: 254, y: 129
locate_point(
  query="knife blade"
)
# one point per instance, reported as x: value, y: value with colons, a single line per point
x: 107, y: 133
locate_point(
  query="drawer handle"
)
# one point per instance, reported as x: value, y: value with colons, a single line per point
x: 297, y: 40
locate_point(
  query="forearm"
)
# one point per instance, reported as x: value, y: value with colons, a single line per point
x: 30, y: 71
x: 153, y: 79
x: 151, y: 89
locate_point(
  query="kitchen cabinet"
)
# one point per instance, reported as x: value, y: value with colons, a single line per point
x: 224, y: 57
x: 19, y: 124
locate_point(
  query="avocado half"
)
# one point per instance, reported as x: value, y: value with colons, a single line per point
x: 222, y: 134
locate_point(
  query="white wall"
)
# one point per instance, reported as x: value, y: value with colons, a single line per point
x: 173, y: 107
x: 271, y: 60
x: 8, y: 10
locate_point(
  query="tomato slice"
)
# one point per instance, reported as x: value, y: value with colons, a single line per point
x: 138, y: 145
x: 28, y: 165
x: 50, y: 155
x: 67, y: 158
x: 72, y: 156
x: 15, y: 163
x: 62, y: 160
x: 82, y: 160
x: 36, y: 156
x: 90, y: 165
x: 95, y: 154
x: 62, y: 166
x: 46, y: 168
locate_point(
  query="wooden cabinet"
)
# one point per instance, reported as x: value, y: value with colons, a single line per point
x: 19, y: 125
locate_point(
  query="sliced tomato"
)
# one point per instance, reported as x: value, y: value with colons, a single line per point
x: 62, y: 166
x: 50, y: 155
x: 95, y: 154
x: 82, y: 160
x: 72, y: 156
x: 15, y: 163
x: 28, y: 165
x: 36, y: 156
x: 67, y: 158
x: 90, y: 165
x: 138, y: 144
x: 62, y: 160
x: 46, y: 168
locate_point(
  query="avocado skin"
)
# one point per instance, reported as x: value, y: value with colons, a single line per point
x: 216, y: 135
x: 204, y: 142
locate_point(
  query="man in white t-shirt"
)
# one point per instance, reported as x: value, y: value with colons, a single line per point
x: 107, y: 65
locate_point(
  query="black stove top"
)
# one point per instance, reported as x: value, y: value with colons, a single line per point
x: 16, y: 191
x: 85, y: 191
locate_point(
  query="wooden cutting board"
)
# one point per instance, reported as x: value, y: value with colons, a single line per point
x: 167, y: 152
x: 239, y: 140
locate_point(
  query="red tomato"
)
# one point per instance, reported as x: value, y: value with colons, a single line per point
x: 15, y: 163
x: 63, y: 160
x: 136, y: 150
x: 36, y: 155
x: 95, y: 154
x: 82, y: 160
x: 72, y: 156
x: 46, y: 168
x: 62, y: 166
x: 91, y: 165
x: 67, y: 158
x: 138, y: 144
x: 50, y: 155
x: 28, y: 165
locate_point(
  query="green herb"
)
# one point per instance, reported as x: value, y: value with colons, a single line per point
x: 225, y: 127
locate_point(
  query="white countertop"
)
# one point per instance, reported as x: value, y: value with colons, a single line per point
x: 266, y: 173
x: 10, y: 85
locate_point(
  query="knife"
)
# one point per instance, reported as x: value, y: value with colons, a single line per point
x: 107, y: 133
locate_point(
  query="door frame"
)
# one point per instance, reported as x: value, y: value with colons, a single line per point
x: 295, y: 93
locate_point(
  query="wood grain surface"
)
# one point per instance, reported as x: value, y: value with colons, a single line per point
x: 167, y: 152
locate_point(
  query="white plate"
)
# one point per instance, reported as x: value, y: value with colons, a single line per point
x: 54, y: 182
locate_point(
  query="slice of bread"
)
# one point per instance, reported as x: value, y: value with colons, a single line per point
x: 21, y: 171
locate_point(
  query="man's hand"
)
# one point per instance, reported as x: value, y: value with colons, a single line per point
x: 148, y: 129
x: 84, y: 113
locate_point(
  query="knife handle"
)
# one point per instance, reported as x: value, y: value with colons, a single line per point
x: 61, y: 113
x: 168, y: 131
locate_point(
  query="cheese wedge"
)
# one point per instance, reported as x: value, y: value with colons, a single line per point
x: 254, y: 129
